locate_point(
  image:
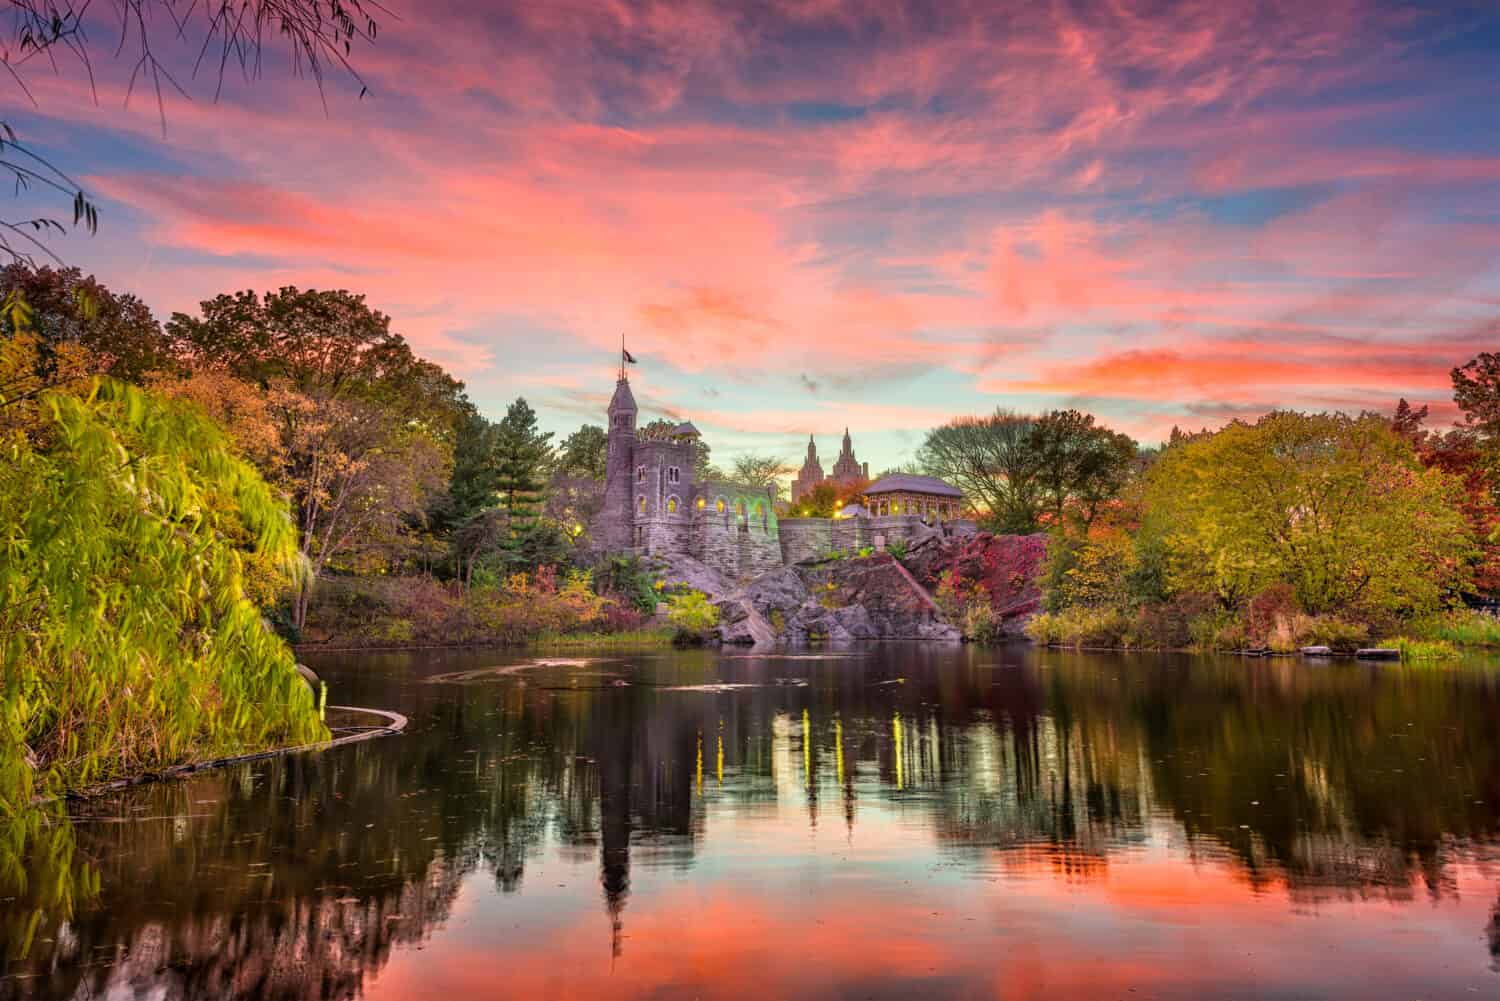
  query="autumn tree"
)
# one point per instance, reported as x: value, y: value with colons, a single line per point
x: 326, y: 344
x: 1463, y: 453
x: 822, y: 501
x: 1337, y: 507
x: 365, y: 428
x: 991, y: 460
x: 1078, y: 466
x: 1476, y: 390
x: 64, y: 307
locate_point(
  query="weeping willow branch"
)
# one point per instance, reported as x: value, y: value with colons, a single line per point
x: 318, y: 35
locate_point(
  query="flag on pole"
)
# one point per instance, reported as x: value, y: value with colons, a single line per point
x: 626, y: 356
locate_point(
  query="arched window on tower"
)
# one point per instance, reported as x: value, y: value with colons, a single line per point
x: 719, y: 505
x: 702, y: 503
x: 640, y: 504
x: 671, y: 505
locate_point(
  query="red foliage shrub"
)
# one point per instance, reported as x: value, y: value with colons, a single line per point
x: 1004, y: 567
x: 620, y: 616
x: 1276, y: 604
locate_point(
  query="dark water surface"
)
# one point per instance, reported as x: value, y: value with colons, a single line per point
x: 897, y: 822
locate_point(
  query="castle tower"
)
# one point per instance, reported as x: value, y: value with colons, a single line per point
x: 614, y: 525
x: 810, y: 475
x: 847, y: 469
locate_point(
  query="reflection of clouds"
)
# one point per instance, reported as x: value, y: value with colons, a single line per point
x: 730, y: 836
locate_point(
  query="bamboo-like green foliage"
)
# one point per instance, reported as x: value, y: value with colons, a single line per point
x: 127, y: 641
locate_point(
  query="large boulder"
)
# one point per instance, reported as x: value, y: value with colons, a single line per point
x: 677, y: 569
x: 741, y: 624
x: 844, y: 601
x: 893, y: 602
x: 759, y: 611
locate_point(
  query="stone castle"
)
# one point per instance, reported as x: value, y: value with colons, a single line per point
x: 655, y: 504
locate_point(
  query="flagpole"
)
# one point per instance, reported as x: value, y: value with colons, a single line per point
x: 622, y: 356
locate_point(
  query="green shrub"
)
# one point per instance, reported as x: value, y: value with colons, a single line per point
x: 1331, y: 631
x: 630, y: 579
x: 1422, y: 650
x: 1081, y: 626
x: 627, y: 639
x: 1217, y: 630
x: 1461, y: 626
x: 693, y: 615
x: 980, y: 624
x: 394, y: 632
x: 897, y: 548
x: 1044, y: 628
x: 1168, y: 625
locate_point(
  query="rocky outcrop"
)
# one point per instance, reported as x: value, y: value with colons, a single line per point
x: 841, y: 601
x: 877, y: 597
x: 1004, y: 570
x: 677, y: 569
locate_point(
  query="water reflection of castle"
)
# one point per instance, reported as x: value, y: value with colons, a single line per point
x: 1005, y: 764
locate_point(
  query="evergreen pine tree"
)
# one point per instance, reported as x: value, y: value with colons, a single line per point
x: 473, y: 485
x: 521, y: 456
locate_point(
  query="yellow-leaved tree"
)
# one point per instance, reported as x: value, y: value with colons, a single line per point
x: 126, y: 634
x: 1337, y: 507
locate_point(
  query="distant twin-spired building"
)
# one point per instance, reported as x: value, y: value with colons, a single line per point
x: 847, y: 471
x: 655, y: 504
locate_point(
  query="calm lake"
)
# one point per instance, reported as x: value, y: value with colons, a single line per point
x: 892, y: 822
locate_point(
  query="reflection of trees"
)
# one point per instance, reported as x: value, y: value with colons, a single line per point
x: 297, y: 877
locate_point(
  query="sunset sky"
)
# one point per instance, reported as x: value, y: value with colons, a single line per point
x: 816, y: 213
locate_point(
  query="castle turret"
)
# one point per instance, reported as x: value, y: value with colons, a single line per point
x: 613, y: 527
x: 847, y: 470
x: 810, y: 475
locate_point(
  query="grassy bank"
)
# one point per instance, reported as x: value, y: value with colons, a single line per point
x: 541, y: 610
x: 1198, y: 627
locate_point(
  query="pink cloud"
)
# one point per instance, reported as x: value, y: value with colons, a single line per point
x: 1012, y: 194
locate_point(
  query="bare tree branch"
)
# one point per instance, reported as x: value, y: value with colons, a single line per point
x: 319, y: 36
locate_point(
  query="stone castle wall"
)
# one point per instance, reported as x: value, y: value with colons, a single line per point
x: 805, y: 540
x: 735, y: 546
